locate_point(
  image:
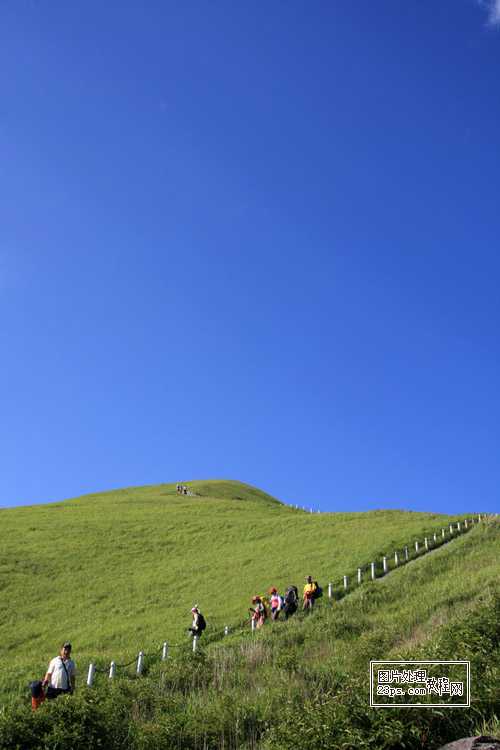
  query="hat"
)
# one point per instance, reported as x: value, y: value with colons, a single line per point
x: 67, y: 645
x: 194, y: 609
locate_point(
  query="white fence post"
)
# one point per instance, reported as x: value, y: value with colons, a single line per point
x: 226, y: 630
x: 435, y: 539
x: 426, y: 542
x: 112, y: 670
x: 416, y: 547
x: 406, y: 554
x: 140, y: 662
x: 384, y: 563
x: 90, y: 675
x: 479, y: 518
x: 346, y: 582
x: 359, y: 575
x: 164, y: 653
x: 195, y: 642
x: 451, y: 528
x: 465, y: 523
x: 396, y: 559
x: 253, y: 624
x: 329, y: 590
x: 373, y: 571
x: 458, y: 526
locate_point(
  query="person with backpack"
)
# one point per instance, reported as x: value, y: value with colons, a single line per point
x: 198, y: 624
x: 290, y: 601
x: 259, y: 611
x: 276, y: 602
x: 309, y: 593
x: 61, y: 674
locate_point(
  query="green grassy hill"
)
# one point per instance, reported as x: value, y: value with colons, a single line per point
x: 119, y: 571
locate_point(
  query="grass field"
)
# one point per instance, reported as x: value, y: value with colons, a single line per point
x: 119, y: 571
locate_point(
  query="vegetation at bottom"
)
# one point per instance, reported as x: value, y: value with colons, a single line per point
x: 302, y: 683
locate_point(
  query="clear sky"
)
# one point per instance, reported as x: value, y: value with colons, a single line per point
x: 256, y: 241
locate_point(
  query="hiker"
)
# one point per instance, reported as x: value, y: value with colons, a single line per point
x: 199, y: 623
x: 290, y: 601
x: 276, y: 603
x: 61, y: 673
x: 309, y: 593
x: 259, y: 611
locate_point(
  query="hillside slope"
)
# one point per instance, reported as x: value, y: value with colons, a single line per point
x: 120, y: 570
x: 303, y: 683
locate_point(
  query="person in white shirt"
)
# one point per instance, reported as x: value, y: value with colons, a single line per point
x: 61, y: 673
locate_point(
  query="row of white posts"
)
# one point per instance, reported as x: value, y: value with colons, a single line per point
x: 140, y: 660
x: 397, y: 559
x: 164, y: 655
x: 306, y: 510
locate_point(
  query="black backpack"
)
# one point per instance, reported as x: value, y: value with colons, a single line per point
x: 291, y: 596
x: 319, y: 591
x: 36, y: 688
x: 201, y: 623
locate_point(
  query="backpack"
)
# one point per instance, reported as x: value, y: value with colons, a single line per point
x: 291, y: 596
x: 201, y: 622
x: 318, y: 591
x: 36, y: 688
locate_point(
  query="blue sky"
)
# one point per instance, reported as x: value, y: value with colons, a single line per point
x: 250, y: 241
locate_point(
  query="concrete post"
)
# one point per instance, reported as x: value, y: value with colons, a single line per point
x: 140, y: 663
x: 91, y: 675
x: 416, y: 547
x: 346, y: 583
x: 195, y: 642
x: 426, y: 542
x: 373, y: 571
x: 164, y: 653
x: 407, y: 556
x: 359, y: 575
x: 226, y: 630
x: 112, y: 670
x: 384, y: 563
x: 396, y: 559
x: 330, y: 593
